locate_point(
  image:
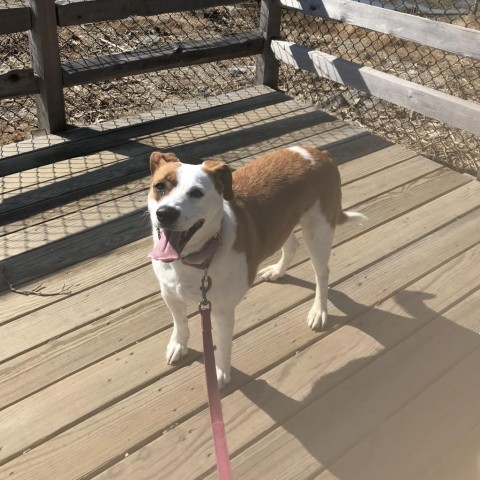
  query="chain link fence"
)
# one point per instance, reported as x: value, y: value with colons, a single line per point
x: 17, y: 115
x: 445, y: 72
x: 106, y: 100
x: 95, y: 102
x: 101, y: 101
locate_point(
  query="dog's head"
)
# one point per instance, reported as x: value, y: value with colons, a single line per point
x: 185, y: 203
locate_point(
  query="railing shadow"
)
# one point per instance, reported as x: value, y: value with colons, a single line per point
x: 20, y: 205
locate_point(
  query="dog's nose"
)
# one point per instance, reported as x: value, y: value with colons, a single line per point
x: 167, y: 216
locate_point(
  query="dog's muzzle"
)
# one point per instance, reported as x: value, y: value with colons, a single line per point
x: 167, y: 216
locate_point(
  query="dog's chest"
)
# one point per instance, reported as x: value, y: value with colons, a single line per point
x: 180, y: 280
x: 228, y: 273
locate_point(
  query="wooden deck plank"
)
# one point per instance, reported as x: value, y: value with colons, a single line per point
x: 137, y: 166
x: 360, y: 147
x: 322, y: 432
x: 109, y: 195
x: 421, y: 221
x: 83, y: 133
x: 92, y: 217
x: 61, y: 227
x: 379, y: 210
x: 134, y: 154
x: 405, y: 171
x: 60, y: 318
x: 137, y: 144
x: 414, y: 438
x: 439, y: 424
x: 288, y: 388
x: 110, y: 204
x: 462, y: 235
x: 342, y: 150
x: 406, y: 197
x: 91, y: 242
x: 112, y: 132
x: 373, y: 163
x: 43, y: 365
x: 85, y: 390
x: 35, y: 329
x: 68, y: 353
x: 75, y: 278
x: 460, y: 459
x: 336, y: 131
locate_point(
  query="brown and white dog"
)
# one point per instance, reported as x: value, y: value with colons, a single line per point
x: 204, y: 212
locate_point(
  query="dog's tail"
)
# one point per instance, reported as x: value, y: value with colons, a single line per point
x: 356, y: 217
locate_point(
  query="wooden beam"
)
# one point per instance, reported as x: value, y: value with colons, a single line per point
x: 75, y: 12
x: 144, y: 60
x: 427, y: 101
x: 444, y: 36
x: 267, y: 64
x: 18, y: 82
x: 14, y: 18
x: 45, y: 56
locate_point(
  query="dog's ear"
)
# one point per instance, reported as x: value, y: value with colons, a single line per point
x: 157, y: 159
x: 222, y: 177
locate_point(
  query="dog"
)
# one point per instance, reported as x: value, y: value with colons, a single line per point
x: 208, y: 216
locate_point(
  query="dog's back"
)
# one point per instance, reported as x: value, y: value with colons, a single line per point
x: 272, y: 193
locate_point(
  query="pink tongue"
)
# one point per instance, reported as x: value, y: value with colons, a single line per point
x: 168, y: 248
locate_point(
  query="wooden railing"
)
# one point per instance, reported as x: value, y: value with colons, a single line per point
x: 425, y: 100
x: 15, y: 19
x: 76, y: 12
x: 22, y: 81
x: 48, y: 75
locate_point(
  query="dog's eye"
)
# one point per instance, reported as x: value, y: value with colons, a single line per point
x: 195, y: 193
x: 160, y: 188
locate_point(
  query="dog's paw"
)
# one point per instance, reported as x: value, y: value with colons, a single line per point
x: 223, y: 378
x: 175, y: 351
x: 271, y: 273
x: 317, y: 318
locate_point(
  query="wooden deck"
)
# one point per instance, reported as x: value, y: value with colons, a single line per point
x: 389, y: 391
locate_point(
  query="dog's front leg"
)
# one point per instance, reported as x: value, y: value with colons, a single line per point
x: 177, y: 346
x: 224, y: 319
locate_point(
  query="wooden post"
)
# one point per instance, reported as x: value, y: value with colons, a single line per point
x: 46, y: 65
x: 267, y: 64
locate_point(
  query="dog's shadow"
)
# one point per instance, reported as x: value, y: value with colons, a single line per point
x: 387, y: 408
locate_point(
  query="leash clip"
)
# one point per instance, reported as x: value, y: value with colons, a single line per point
x: 205, y: 288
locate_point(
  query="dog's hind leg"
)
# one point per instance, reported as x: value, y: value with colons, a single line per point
x: 277, y: 270
x: 318, y: 238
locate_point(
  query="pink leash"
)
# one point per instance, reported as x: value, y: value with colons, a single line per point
x: 214, y: 400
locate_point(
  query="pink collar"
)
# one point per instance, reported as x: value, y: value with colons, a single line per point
x: 203, y: 257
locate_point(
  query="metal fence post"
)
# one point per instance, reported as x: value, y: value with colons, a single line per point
x: 45, y: 54
x: 267, y: 64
